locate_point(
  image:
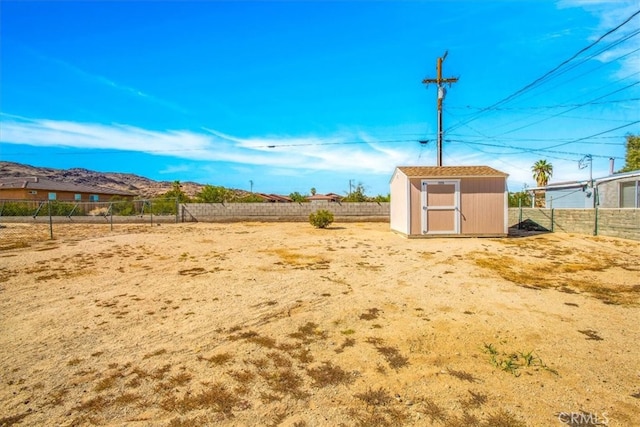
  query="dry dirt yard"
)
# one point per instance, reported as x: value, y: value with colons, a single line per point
x: 282, y: 324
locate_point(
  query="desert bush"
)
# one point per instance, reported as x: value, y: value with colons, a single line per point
x: 321, y: 218
x: 17, y: 208
x: 103, y: 211
x: 122, y: 207
x: 57, y: 209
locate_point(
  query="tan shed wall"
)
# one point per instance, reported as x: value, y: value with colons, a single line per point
x: 482, y: 206
x: 399, y: 202
x: 416, y: 206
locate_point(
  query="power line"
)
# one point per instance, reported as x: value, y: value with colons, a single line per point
x: 622, y: 143
x: 584, y: 103
x: 569, y: 109
x: 521, y: 150
x: 308, y: 144
x: 551, y: 107
x: 594, y: 69
x: 540, y: 79
x: 591, y: 136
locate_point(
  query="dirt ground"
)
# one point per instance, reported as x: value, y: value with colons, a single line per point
x: 283, y: 324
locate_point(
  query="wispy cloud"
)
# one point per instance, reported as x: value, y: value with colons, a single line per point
x: 104, y: 81
x: 285, y: 152
x: 610, y: 14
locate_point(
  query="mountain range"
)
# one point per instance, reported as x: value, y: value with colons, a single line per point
x: 143, y: 187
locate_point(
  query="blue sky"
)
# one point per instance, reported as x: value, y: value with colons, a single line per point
x: 299, y: 94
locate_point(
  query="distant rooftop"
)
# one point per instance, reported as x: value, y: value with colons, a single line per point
x: 44, y: 184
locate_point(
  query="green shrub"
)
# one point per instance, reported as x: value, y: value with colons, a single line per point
x: 321, y: 218
x: 18, y: 208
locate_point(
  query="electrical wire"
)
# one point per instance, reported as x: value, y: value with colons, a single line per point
x: 545, y: 76
x: 591, y: 136
x: 567, y: 110
x: 532, y: 150
x: 551, y: 107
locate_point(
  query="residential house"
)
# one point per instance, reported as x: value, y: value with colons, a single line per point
x: 274, y: 198
x: 41, y: 189
x: 620, y: 190
x: 329, y: 197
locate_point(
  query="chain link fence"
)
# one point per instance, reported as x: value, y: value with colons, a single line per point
x: 25, y: 221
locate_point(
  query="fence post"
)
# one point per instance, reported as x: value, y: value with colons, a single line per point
x: 552, y: 220
x: 50, y: 220
x: 151, y: 211
x: 520, y: 214
x: 177, y: 208
x: 595, y: 227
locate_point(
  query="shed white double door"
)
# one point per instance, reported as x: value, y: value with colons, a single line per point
x: 440, y: 206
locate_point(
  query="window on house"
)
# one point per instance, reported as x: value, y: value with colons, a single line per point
x: 93, y: 198
x: 77, y: 197
x: 630, y: 194
x: 52, y: 196
x: 33, y: 192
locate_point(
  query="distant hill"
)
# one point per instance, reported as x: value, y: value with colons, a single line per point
x: 143, y: 187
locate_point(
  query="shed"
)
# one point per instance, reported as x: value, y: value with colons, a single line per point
x: 449, y: 201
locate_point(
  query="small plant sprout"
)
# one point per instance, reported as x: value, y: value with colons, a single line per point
x: 510, y: 365
x: 528, y: 358
x: 489, y: 348
x: 514, y: 361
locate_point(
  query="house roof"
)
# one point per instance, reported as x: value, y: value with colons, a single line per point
x: 596, y: 181
x: 274, y: 197
x: 450, y: 171
x: 328, y: 196
x: 564, y: 185
x: 44, y: 184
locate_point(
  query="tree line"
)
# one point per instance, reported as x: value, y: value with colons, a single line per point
x: 220, y: 194
x: 542, y: 171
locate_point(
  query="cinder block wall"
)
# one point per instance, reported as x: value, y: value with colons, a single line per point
x: 229, y: 212
x: 581, y: 221
x: 624, y: 223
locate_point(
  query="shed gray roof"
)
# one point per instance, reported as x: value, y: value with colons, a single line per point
x: 44, y: 184
x: 450, y: 171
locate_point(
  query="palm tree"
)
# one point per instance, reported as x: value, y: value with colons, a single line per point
x: 542, y: 171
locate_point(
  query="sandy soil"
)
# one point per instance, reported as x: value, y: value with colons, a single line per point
x: 284, y: 324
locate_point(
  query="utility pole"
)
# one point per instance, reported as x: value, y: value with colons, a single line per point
x: 439, y: 81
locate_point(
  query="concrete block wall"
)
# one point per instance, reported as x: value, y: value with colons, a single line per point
x: 540, y: 216
x: 229, y: 212
x: 582, y: 221
x: 623, y: 223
